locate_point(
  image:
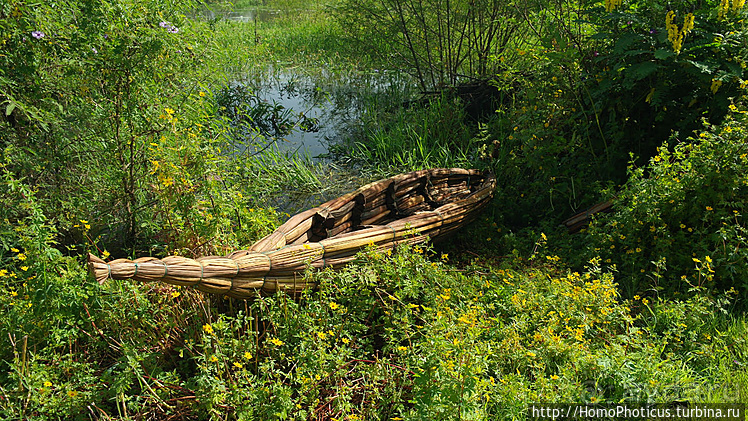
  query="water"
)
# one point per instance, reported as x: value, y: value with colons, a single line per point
x: 319, y: 108
x: 323, y: 105
x: 243, y: 15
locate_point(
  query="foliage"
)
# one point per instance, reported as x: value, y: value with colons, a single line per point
x: 681, y: 218
x: 651, y: 71
x: 114, y: 111
x: 429, y: 134
x: 439, y: 42
x: 127, y: 125
x: 608, y: 85
x: 83, y: 95
x: 396, y: 335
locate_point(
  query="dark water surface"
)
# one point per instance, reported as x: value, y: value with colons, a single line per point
x: 325, y: 104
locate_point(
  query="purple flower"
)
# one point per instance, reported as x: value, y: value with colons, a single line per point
x: 652, y: 31
x: 37, y: 34
x: 169, y: 27
x: 94, y: 50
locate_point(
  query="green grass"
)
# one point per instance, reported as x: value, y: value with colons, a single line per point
x: 497, y: 318
x: 433, y: 134
x: 403, y: 334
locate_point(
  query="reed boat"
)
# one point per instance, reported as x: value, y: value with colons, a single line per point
x: 407, y: 208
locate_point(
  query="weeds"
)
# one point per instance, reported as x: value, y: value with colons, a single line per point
x: 642, y: 307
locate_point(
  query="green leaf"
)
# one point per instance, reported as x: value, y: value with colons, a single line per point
x: 625, y: 42
x: 662, y: 54
x: 703, y: 67
x: 10, y: 108
x: 641, y: 70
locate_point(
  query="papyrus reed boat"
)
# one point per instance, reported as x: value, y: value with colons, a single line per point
x: 405, y: 208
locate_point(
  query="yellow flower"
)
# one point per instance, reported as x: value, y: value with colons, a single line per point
x: 72, y: 393
x: 636, y: 297
x: 13, y: 294
x: 247, y: 356
x: 709, y: 208
x: 276, y: 342
x: 14, y: 250
x: 611, y: 5
x: 645, y: 301
x: 213, y: 359
x: 201, y: 93
x: 105, y: 254
x: 176, y: 294
x: 345, y: 340
x: 554, y: 377
x: 402, y: 348
x: 237, y: 364
x: 207, y: 328
x: 24, y: 268
x: 708, y: 259
x: 333, y: 305
x: 445, y: 256
x: 322, y: 335
x: 651, y: 93
x: 47, y: 383
x: 21, y: 257
x: 530, y: 354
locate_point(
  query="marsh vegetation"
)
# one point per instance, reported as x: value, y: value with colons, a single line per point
x: 156, y: 127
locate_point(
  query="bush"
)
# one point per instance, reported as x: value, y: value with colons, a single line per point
x: 652, y: 70
x: 629, y: 78
x: 680, y: 221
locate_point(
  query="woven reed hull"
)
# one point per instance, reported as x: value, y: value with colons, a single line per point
x: 405, y: 208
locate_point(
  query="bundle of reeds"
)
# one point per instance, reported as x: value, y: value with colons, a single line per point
x: 405, y: 208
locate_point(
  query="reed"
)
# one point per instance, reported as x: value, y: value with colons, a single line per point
x: 409, y: 207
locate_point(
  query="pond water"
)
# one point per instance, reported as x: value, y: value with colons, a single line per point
x: 316, y: 108
x: 282, y: 112
x: 321, y: 106
x: 241, y: 15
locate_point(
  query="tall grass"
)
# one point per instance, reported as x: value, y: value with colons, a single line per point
x: 433, y: 133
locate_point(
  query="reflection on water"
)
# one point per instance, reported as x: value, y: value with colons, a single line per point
x: 282, y: 115
x: 245, y: 15
x: 323, y: 104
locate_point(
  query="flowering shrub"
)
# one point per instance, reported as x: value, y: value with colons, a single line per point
x: 680, y: 221
x: 654, y: 70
